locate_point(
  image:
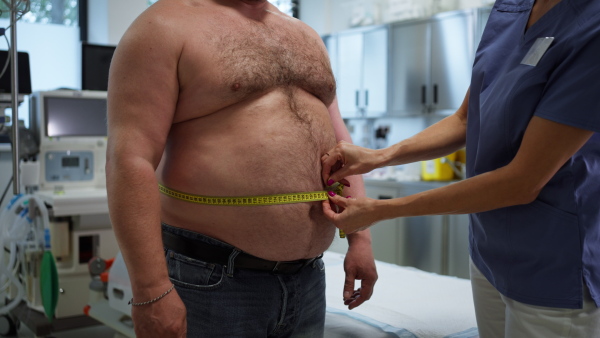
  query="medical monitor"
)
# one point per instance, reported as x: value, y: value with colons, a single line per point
x: 95, y: 64
x: 68, y: 113
x: 74, y: 116
x: 70, y: 127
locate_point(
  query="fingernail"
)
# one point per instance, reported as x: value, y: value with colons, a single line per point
x: 346, y: 294
x: 330, y: 182
x: 346, y: 184
x: 348, y: 196
x: 331, y: 193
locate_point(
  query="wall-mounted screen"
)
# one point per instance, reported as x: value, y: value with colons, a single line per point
x: 95, y: 64
x: 23, y: 71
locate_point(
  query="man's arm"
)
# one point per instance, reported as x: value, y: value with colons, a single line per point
x: 359, y: 262
x: 142, y: 95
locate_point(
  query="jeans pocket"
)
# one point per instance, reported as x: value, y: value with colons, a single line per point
x: 188, y: 272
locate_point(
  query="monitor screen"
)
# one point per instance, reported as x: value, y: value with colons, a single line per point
x: 23, y: 71
x: 95, y: 63
x: 68, y: 116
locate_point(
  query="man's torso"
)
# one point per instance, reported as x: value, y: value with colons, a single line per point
x: 251, y: 119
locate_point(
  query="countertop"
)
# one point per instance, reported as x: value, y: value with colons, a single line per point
x: 412, y: 185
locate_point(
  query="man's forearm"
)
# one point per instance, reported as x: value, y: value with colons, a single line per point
x: 357, y: 189
x: 135, y: 214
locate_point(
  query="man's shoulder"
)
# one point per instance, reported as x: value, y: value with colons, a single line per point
x: 175, y: 13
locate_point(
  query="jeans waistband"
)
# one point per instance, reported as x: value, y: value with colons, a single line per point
x: 221, y: 253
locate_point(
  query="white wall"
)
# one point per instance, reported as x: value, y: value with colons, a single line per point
x: 54, y: 53
x: 328, y: 16
x: 109, y: 19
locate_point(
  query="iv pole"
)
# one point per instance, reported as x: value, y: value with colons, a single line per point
x: 14, y: 77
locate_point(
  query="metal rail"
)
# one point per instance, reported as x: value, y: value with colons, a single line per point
x: 14, y: 77
x: 15, y: 15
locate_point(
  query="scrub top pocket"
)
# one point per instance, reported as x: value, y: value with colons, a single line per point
x: 545, y: 246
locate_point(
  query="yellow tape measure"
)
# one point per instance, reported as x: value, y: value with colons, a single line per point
x: 240, y: 201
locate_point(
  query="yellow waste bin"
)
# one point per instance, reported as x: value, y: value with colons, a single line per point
x: 439, y: 169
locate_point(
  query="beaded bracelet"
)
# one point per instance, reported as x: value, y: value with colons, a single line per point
x: 152, y: 300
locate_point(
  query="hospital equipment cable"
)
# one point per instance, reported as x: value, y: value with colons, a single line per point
x: 7, y: 62
x: 20, y: 11
x: 6, y: 190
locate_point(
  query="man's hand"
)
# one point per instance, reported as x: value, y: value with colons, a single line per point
x: 163, y: 318
x: 359, y: 264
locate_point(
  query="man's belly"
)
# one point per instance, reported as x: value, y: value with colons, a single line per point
x: 253, y: 150
x: 277, y: 232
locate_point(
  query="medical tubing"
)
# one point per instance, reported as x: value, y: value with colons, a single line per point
x: 14, y: 228
x: 20, y: 290
x: 41, y: 206
x: 4, y: 270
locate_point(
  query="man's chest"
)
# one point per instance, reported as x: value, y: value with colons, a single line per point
x: 234, y: 64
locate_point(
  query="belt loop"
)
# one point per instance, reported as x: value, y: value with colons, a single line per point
x: 314, y: 261
x: 230, y: 265
x: 275, y: 268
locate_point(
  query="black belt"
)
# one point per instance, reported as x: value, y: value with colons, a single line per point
x: 219, y: 255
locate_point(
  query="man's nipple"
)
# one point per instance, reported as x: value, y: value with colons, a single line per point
x: 330, y: 87
x: 236, y: 86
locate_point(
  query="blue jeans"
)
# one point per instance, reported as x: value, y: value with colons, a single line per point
x: 223, y: 301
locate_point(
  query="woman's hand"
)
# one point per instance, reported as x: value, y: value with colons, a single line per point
x: 355, y: 214
x: 346, y: 159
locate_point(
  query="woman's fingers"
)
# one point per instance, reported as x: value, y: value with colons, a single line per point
x: 331, y: 212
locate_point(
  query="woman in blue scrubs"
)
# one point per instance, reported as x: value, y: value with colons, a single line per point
x: 531, y: 125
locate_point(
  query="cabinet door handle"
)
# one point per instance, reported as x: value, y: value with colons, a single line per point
x: 356, y: 96
x: 366, y: 97
x: 423, y: 94
x: 435, y: 93
x: 385, y: 197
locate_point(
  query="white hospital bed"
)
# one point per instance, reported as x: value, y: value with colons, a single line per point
x: 406, y: 302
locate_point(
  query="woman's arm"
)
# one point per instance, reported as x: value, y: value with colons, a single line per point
x: 440, y: 139
x: 546, y: 146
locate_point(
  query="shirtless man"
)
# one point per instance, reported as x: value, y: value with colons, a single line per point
x: 225, y: 98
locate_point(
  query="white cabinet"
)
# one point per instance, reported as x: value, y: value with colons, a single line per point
x: 452, y: 55
x: 409, y: 67
x: 349, y: 76
x: 436, y: 243
x: 359, y: 59
x: 375, y: 69
x: 431, y: 63
x: 457, y: 259
x: 385, y: 235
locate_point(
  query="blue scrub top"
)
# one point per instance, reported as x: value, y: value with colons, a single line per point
x: 542, y: 252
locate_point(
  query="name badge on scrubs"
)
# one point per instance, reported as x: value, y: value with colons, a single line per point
x: 539, y: 48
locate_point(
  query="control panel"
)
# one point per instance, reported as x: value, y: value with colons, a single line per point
x: 69, y: 166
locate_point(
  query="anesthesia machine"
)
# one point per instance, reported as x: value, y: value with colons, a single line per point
x: 53, y: 232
